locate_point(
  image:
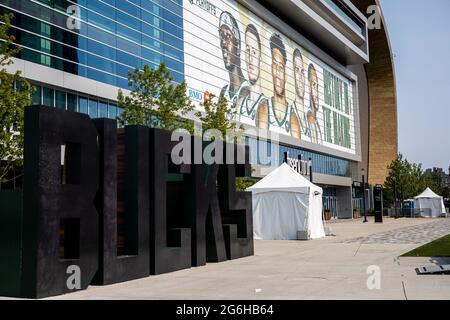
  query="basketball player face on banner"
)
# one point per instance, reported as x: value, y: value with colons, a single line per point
x: 299, y: 77
x: 314, y: 88
x: 230, y: 43
x: 252, y: 54
x: 313, y: 82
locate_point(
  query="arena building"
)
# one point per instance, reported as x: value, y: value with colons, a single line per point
x: 316, y: 77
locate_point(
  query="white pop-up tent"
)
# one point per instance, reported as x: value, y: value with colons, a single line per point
x: 285, y: 202
x: 430, y: 201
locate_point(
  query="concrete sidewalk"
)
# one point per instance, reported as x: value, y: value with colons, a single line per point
x: 331, y: 268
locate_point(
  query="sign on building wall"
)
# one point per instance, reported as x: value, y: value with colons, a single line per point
x: 301, y: 166
x: 270, y: 80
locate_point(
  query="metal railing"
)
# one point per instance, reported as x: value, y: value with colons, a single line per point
x: 410, y: 213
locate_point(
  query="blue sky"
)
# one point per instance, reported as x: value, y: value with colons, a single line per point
x: 420, y: 39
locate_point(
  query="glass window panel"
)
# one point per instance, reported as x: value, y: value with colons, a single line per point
x: 127, y: 59
x: 129, y: 33
x: 36, y: 96
x: 112, y: 111
x: 101, y: 15
x: 103, y: 109
x: 122, y: 83
x: 122, y: 70
x: 49, y: 99
x: 60, y: 99
x: 101, y: 49
x: 102, y: 8
x: 72, y: 102
x: 101, y: 36
x: 83, y: 105
x: 151, y: 43
x: 152, y: 56
x: 172, y: 19
x: 101, y: 64
x: 173, y: 29
x: 150, y: 6
x: 174, y: 65
x: 101, y: 76
x: 93, y: 108
x: 177, y: 77
x: 150, y: 19
x: 129, y: 8
x: 174, y: 53
x: 171, y: 40
x: 128, y: 46
x: 129, y: 21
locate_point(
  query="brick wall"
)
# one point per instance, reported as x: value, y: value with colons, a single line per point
x: 383, y: 129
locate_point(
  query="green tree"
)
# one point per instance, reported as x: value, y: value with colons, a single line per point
x: 433, y: 180
x: 417, y: 179
x: 155, y: 100
x: 15, y: 94
x: 445, y: 192
x: 217, y: 116
x: 406, y: 177
x: 409, y: 180
x: 243, y: 183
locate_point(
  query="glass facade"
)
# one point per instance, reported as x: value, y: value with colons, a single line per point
x: 74, y: 101
x: 112, y: 37
x: 267, y: 153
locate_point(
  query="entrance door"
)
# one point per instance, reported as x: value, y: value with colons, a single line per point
x: 330, y: 202
x: 334, y: 210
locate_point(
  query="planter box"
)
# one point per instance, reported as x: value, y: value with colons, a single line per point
x: 327, y: 215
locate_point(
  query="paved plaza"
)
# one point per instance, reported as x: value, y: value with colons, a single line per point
x: 417, y: 234
x: 331, y: 268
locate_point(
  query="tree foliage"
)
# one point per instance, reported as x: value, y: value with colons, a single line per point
x: 15, y: 94
x: 217, y: 116
x: 155, y: 100
x: 409, y: 180
x: 243, y: 183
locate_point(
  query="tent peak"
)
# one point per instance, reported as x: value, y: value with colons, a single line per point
x: 428, y: 193
x: 284, y: 178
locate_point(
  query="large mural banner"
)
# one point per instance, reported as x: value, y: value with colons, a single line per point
x: 270, y: 81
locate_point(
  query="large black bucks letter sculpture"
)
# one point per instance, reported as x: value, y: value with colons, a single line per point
x: 103, y: 205
x: 60, y: 222
x: 204, y: 216
x: 236, y: 207
x: 124, y: 198
x: 170, y: 247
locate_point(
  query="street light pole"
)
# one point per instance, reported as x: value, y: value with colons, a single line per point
x: 402, y: 198
x: 364, y: 196
x: 395, y: 196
